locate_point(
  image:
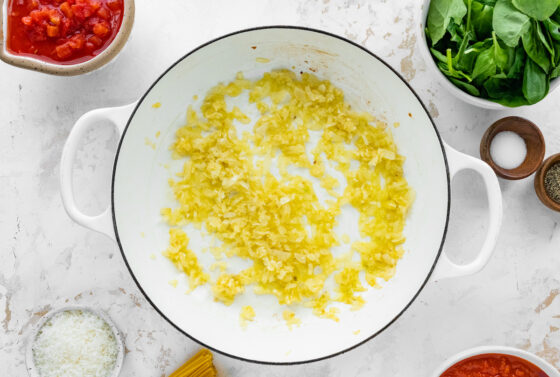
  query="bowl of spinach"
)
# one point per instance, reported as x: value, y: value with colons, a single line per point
x: 494, y: 53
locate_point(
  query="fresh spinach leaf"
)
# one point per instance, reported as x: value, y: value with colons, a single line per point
x: 440, y: 14
x: 553, y: 28
x: 537, y: 9
x: 505, y: 90
x: 556, y: 16
x: 535, y: 48
x: 481, y: 45
x: 469, y: 88
x: 497, y: 49
x: 512, y: 100
x: 472, y: 52
x: 444, y: 68
x: 535, y: 82
x: 556, y: 46
x: 456, y: 32
x: 555, y: 72
x: 501, y: 56
x: 487, y: 2
x: 438, y: 55
x: 546, y: 40
x: 484, y: 67
x: 481, y: 20
x: 459, y: 59
x: 469, y: 13
x: 509, y: 23
x: 518, y: 66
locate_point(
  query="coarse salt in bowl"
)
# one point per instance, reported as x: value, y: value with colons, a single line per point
x: 74, y: 321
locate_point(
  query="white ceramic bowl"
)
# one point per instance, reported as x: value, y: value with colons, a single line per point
x: 39, y: 65
x: 140, y: 190
x: 535, y: 360
x: 29, y: 360
x: 429, y: 60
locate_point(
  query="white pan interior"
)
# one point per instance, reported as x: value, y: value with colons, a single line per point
x: 140, y: 190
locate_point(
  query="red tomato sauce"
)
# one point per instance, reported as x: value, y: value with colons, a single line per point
x: 494, y: 365
x: 62, y: 31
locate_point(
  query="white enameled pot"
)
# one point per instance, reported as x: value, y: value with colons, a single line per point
x: 429, y: 60
x: 140, y: 190
x: 535, y: 360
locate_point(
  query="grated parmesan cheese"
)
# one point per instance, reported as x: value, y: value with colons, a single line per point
x: 75, y: 343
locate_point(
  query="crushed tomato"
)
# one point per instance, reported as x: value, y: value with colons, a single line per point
x: 62, y: 31
x: 494, y: 365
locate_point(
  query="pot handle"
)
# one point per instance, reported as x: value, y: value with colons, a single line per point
x: 457, y: 162
x: 118, y: 116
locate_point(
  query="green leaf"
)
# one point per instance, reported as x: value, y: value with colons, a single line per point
x: 444, y: 68
x: 556, y: 46
x: 535, y: 82
x: 438, y: 55
x: 501, y: 56
x: 456, y: 32
x: 505, y: 91
x: 481, y: 20
x: 553, y: 28
x: 534, y: 47
x: 509, y: 23
x: 440, y: 14
x: 458, y: 60
x: 538, y: 9
x: 485, y: 66
x: 469, y: 88
x: 518, y: 65
x: 481, y: 45
x: 487, y: 2
x: 555, y: 72
x: 511, y: 100
x: 556, y: 16
x: 546, y: 40
x: 469, y: 13
x: 472, y: 52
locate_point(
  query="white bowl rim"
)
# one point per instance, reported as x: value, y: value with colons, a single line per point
x: 29, y: 361
x: 549, y: 369
x: 314, y: 30
x: 462, y: 95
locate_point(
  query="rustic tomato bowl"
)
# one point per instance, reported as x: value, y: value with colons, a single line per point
x: 533, y: 360
x: 105, y: 51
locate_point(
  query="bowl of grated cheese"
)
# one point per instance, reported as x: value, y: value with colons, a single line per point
x: 75, y: 341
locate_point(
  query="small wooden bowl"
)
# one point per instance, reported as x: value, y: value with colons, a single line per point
x: 533, y: 139
x: 539, y: 182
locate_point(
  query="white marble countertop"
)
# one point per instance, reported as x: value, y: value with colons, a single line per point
x: 46, y: 260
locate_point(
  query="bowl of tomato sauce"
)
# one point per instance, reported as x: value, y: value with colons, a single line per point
x: 63, y: 37
x: 496, y: 361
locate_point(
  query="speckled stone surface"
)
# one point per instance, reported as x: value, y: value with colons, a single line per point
x: 47, y: 261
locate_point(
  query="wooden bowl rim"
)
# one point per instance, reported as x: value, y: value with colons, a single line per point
x: 539, y: 182
x: 512, y: 174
